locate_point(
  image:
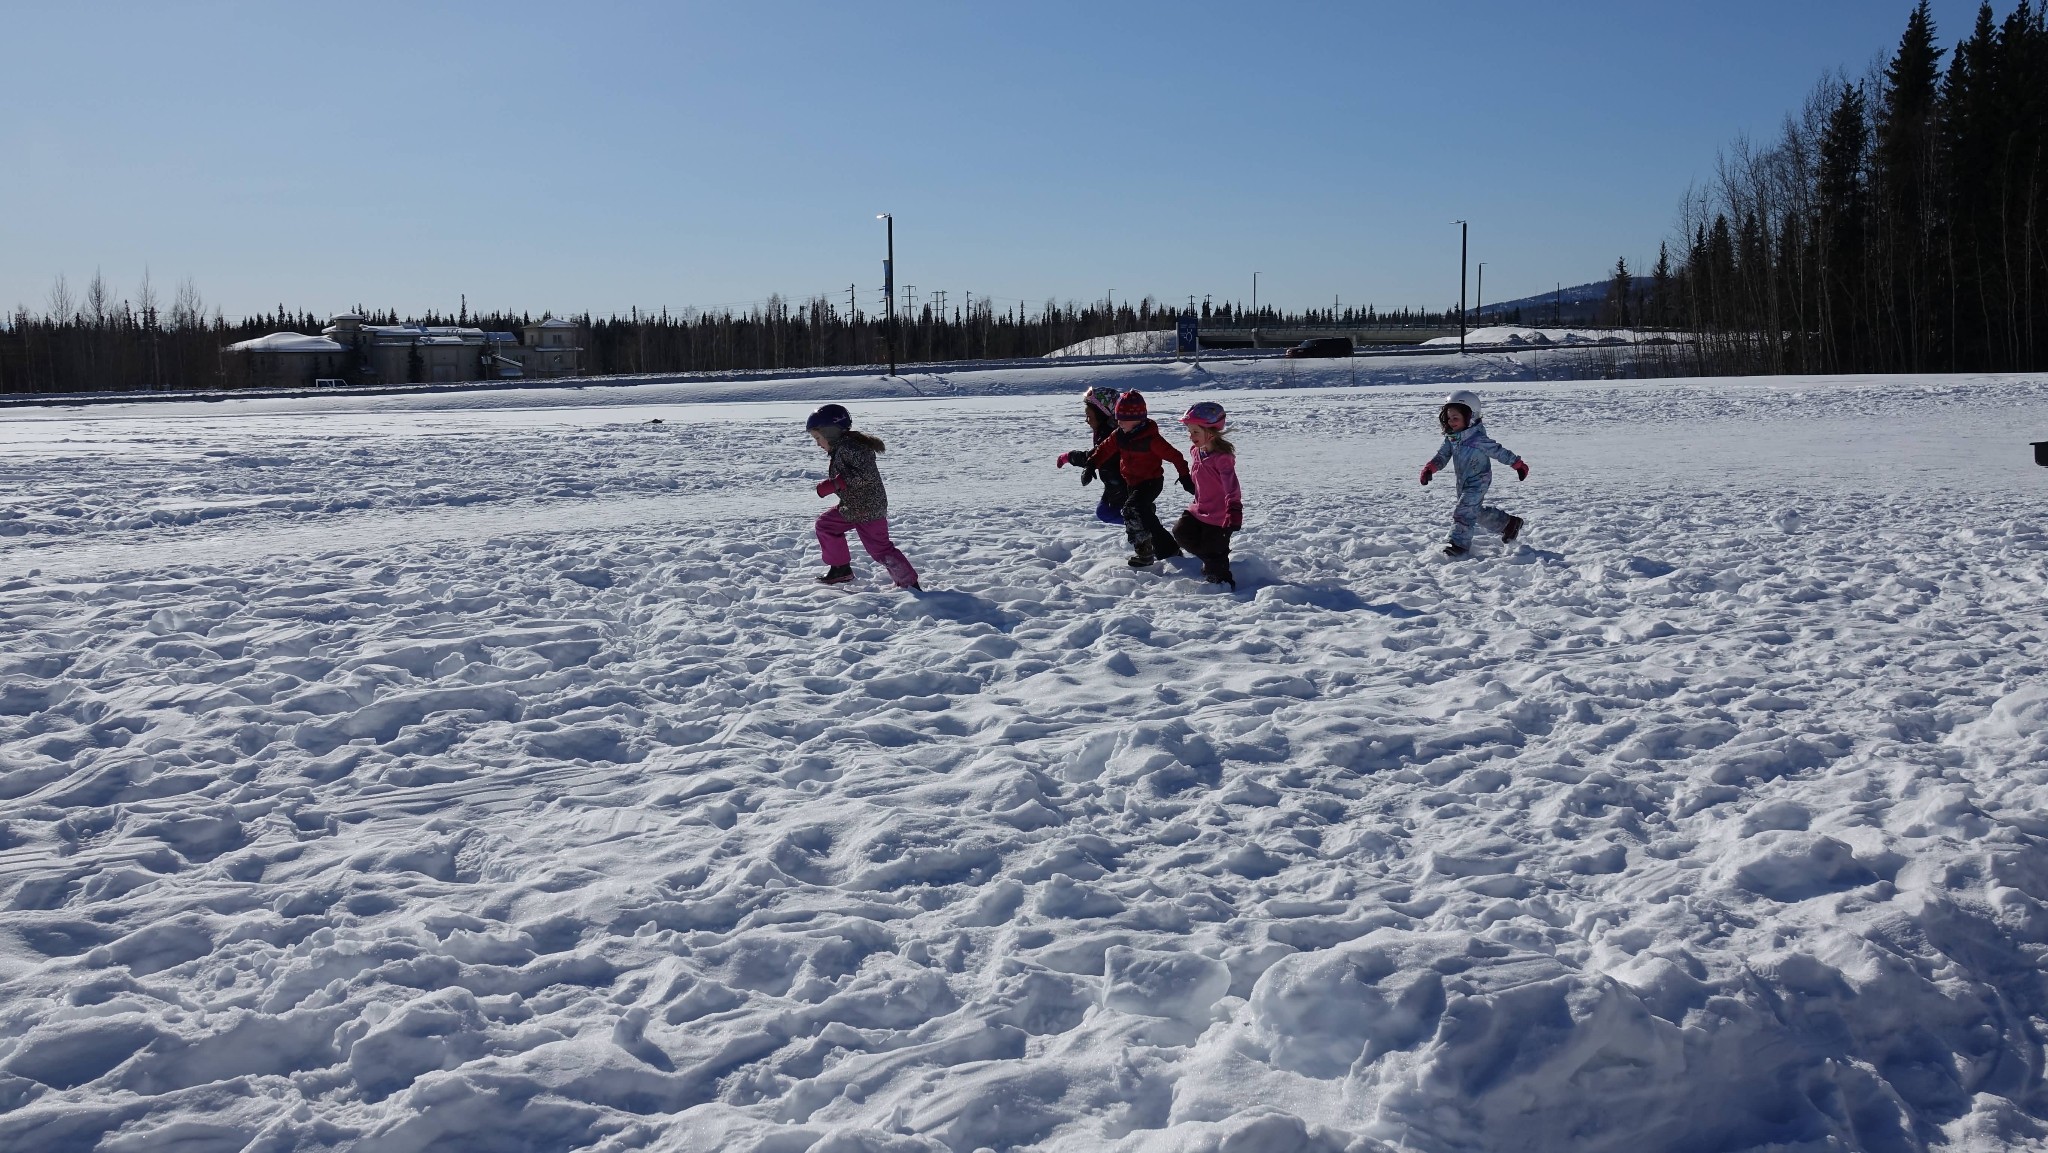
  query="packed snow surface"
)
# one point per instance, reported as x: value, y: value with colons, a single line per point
x: 482, y: 772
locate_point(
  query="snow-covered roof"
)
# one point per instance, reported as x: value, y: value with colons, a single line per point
x: 410, y: 330
x: 286, y: 342
x: 557, y: 322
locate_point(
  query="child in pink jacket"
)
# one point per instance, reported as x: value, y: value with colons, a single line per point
x: 1204, y: 529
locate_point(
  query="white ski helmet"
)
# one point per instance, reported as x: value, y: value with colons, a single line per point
x: 1464, y: 398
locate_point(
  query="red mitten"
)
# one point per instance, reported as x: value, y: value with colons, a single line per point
x: 1428, y: 470
x: 1062, y: 461
x: 830, y: 485
x: 1521, y: 468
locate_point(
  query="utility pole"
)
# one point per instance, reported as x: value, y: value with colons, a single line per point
x: 1463, y: 252
x: 889, y: 290
x: 850, y: 306
x: 1255, y: 311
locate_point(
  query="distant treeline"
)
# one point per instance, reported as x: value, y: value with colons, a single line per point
x: 91, y: 341
x: 1898, y: 223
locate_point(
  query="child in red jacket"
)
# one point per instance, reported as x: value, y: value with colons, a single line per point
x: 1139, y: 452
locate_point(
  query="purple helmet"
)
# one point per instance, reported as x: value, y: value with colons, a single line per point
x: 1206, y: 413
x: 830, y: 416
x: 1102, y: 399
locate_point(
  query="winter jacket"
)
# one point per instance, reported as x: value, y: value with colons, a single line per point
x: 1217, y: 498
x: 1470, y: 450
x: 861, y: 496
x: 1138, y: 454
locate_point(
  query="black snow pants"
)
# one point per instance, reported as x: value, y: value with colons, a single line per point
x: 1141, y: 521
x: 1209, y: 542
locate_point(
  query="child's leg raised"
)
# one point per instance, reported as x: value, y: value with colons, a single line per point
x: 874, y: 537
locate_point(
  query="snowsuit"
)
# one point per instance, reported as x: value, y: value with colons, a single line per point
x: 863, y: 508
x: 1205, y: 528
x: 1469, y: 450
x: 1139, y: 455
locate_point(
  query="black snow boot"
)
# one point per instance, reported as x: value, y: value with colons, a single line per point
x: 1142, y: 556
x: 837, y: 574
x: 1512, y: 530
x: 1455, y: 550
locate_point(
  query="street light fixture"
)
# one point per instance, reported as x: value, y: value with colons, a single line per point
x: 1463, y: 231
x: 889, y: 289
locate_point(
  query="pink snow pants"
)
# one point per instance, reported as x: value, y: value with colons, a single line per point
x: 874, y: 537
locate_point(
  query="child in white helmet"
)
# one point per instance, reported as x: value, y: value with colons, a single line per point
x: 1466, y: 444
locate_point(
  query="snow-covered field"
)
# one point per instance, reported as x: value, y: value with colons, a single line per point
x: 481, y: 771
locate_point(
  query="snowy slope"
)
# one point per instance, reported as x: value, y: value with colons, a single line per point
x: 480, y: 771
x: 1121, y: 344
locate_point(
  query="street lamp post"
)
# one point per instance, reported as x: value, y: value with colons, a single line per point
x: 1255, y: 310
x: 1463, y: 230
x: 889, y: 289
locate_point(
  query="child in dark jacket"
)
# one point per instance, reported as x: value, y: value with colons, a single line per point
x: 1098, y: 405
x: 863, y: 504
x: 1205, y: 528
x: 1138, y: 451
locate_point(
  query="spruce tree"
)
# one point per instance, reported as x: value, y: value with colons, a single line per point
x: 1904, y: 160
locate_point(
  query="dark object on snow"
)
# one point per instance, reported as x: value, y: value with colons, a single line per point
x: 1455, y: 550
x: 1512, y: 529
x: 1321, y: 346
x: 2041, y: 452
x: 837, y: 574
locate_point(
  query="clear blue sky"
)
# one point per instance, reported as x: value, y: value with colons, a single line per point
x: 602, y: 155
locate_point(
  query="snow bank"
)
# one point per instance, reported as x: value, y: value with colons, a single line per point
x: 1515, y: 336
x: 1121, y: 344
x: 287, y: 342
x: 482, y: 771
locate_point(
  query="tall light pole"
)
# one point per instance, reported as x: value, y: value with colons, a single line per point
x: 889, y: 289
x: 1463, y: 230
x: 1255, y: 310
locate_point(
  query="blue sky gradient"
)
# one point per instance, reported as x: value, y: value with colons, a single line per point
x: 604, y: 155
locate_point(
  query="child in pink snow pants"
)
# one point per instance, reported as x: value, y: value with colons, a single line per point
x: 863, y: 504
